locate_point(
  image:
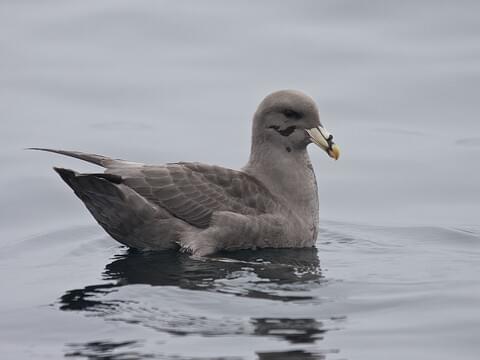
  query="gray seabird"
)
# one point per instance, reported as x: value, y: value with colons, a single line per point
x: 271, y: 203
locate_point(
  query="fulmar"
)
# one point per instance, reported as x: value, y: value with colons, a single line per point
x: 272, y: 202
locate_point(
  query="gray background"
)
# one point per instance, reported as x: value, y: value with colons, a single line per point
x: 397, y: 83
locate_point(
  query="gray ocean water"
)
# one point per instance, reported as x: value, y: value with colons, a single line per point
x: 396, y: 271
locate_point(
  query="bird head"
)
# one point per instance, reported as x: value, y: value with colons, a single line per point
x: 290, y: 119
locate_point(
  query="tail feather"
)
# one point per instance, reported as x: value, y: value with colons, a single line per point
x: 124, y: 214
x: 91, y: 158
x: 67, y: 175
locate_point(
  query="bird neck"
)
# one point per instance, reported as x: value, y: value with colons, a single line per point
x: 288, y: 175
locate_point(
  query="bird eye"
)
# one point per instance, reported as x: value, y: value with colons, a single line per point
x: 291, y: 114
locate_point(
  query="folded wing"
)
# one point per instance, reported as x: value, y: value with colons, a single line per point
x: 193, y: 191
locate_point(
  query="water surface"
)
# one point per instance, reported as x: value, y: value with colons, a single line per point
x: 395, y: 272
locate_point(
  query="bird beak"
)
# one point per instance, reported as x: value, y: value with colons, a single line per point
x: 322, y: 138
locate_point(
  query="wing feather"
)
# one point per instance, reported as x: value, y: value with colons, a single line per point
x: 193, y: 191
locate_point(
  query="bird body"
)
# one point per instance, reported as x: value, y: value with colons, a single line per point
x: 272, y: 202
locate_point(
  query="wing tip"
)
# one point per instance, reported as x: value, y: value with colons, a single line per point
x: 38, y: 149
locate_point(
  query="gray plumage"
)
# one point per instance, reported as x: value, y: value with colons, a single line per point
x: 271, y: 202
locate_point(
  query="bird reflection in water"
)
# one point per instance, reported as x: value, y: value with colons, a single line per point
x: 278, y: 274
x: 277, y: 267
